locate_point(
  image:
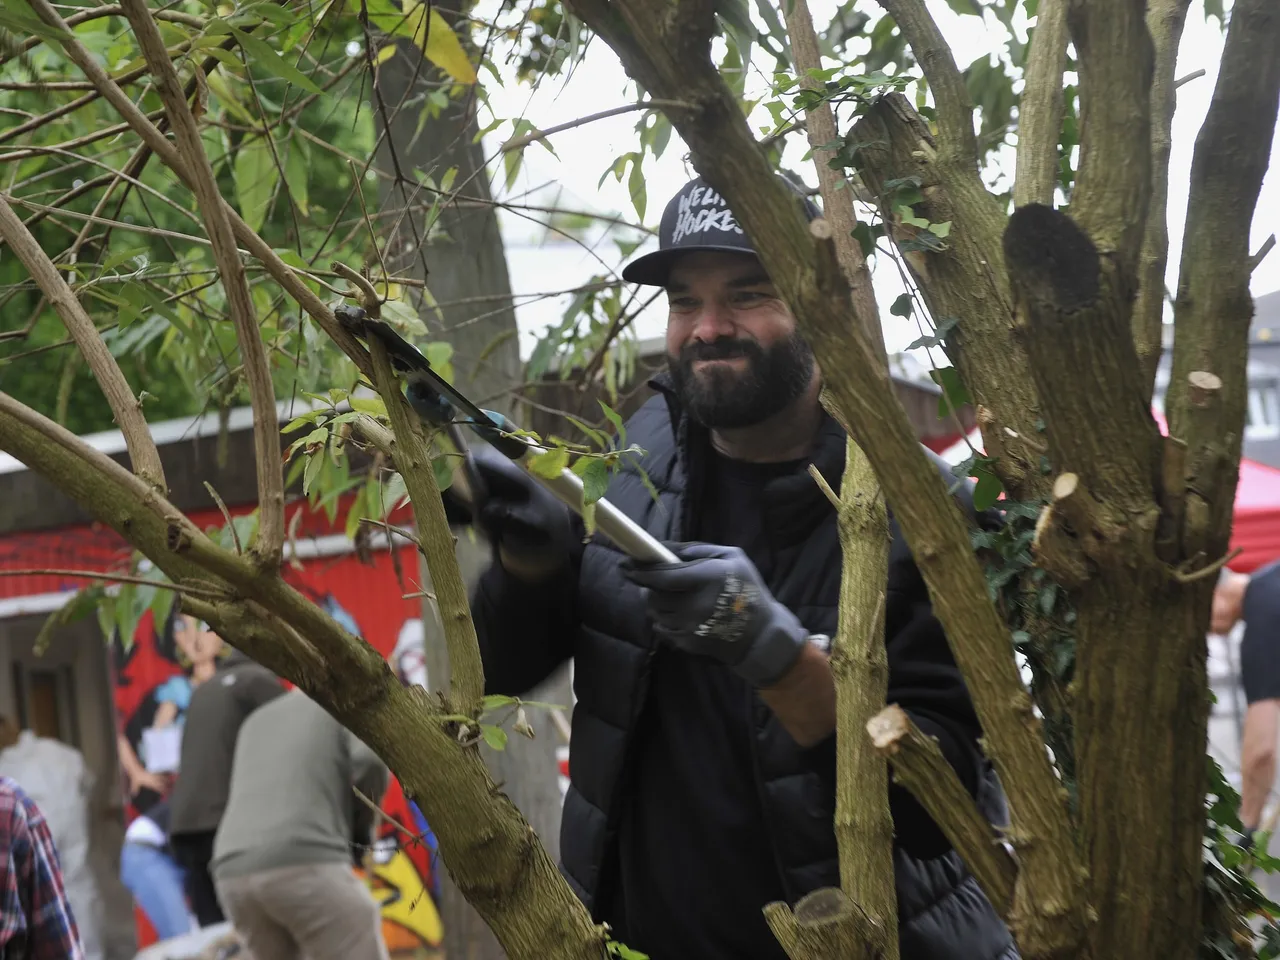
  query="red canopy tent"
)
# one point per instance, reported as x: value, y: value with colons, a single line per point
x: 1256, y: 523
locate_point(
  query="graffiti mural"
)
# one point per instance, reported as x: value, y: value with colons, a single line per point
x: 155, y: 675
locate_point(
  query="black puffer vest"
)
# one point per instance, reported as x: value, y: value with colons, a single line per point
x: 942, y: 912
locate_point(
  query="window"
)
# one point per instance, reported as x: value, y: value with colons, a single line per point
x: 1263, y: 415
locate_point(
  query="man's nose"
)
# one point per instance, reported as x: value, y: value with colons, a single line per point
x: 715, y: 320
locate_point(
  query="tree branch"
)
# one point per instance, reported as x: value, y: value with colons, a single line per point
x: 918, y: 764
x: 809, y: 280
x: 859, y: 662
x: 957, y: 143
x: 125, y: 408
x: 1165, y: 19
x: 1041, y: 107
x: 168, y: 153
x: 837, y: 194
x: 490, y: 850
x: 268, y: 541
x: 1214, y: 308
x: 1113, y: 183
x: 412, y: 456
x: 962, y: 279
x: 826, y: 923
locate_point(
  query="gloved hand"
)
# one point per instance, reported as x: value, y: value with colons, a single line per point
x: 529, y: 528
x: 715, y: 604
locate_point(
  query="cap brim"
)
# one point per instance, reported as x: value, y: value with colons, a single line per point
x: 653, y: 268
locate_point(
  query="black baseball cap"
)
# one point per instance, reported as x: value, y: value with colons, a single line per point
x: 697, y: 219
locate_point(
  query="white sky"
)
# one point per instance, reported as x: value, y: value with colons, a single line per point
x: 542, y: 262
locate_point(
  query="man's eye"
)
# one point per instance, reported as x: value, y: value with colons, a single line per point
x: 682, y: 303
x: 749, y: 296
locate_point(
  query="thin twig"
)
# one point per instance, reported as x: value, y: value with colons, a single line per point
x: 369, y: 298
x: 226, y: 515
x: 117, y: 578
x: 517, y: 142
x: 1194, y: 75
x: 825, y: 487
x: 1185, y: 578
x: 1261, y: 255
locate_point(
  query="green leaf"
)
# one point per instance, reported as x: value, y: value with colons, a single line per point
x: 616, y: 420
x: 267, y: 59
x: 987, y: 491
x: 494, y: 736
x: 937, y: 338
x: 1213, y: 8
x: 595, y: 477
x: 550, y: 463
x: 1048, y: 596
x: 901, y: 306
x: 865, y: 234
x: 636, y: 184
x: 941, y: 230
x: 370, y: 405
x: 84, y: 602
x: 494, y: 701
x: 314, y: 463
x: 255, y: 175
x: 954, y: 395
x: 297, y: 172
x: 963, y: 7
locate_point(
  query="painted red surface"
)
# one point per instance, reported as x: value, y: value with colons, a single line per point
x: 372, y: 592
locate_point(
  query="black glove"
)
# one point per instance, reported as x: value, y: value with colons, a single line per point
x: 715, y: 604
x: 518, y: 515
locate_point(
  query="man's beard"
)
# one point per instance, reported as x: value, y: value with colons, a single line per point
x: 723, y: 398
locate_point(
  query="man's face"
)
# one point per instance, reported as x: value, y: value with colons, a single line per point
x: 732, y: 347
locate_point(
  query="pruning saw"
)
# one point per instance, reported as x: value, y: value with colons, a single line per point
x: 436, y: 399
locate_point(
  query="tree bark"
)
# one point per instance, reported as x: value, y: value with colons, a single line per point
x: 963, y: 281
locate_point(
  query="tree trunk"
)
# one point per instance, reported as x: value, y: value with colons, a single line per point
x: 465, y: 258
x: 465, y: 261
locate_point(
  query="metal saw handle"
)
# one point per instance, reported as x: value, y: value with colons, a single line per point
x: 631, y: 538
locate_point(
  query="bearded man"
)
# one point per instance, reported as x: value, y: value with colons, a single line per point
x: 703, y: 754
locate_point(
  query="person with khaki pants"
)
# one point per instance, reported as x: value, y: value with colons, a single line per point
x: 282, y: 859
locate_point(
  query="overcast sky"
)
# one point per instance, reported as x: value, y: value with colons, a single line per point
x: 542, y: 263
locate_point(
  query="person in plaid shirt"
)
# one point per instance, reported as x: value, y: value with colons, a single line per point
x: 35, y: 917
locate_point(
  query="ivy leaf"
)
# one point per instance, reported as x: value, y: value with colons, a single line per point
x: 954, y: 394
x: 987, y: 491
x: 494, y: 701
x: 937, y: 338
x: 266, y: 58
x: 314, y: 463
x: 901, y: 306
x: 370, y: 405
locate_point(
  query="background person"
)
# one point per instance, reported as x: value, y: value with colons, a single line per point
x: 282, y: 859
x: 218, y: 708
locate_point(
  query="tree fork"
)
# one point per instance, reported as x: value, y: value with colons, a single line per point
x: 964, y: 280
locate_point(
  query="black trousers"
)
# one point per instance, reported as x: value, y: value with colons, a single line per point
x: 193, y: 851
